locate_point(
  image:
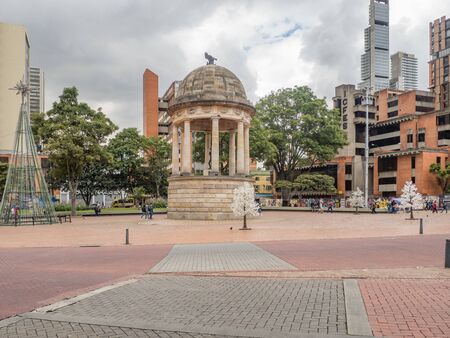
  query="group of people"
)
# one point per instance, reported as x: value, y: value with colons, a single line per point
x: 434, y: 206
x: 147, y: 211
x: 319, y: 205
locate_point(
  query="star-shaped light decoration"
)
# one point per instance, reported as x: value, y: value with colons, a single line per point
x: 22, y: 88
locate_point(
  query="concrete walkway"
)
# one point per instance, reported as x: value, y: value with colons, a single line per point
x: 220, y: 257
x: 184, y: 306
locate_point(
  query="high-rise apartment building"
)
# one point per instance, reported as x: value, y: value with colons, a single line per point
x: 375, y: 60
x: 14, y: 66
x: 404, y: 71
x: 37, y: 90
x: 440, y: 59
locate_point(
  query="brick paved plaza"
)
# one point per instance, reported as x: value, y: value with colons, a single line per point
x: 284, y: 278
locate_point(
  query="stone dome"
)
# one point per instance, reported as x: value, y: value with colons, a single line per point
x: 211, y: 83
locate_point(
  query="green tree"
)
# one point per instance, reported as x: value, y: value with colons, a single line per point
x: 3, y: 176
x: 285, y: 187
x: 442, y: 176
x: 138, y: 195
x: 300, y: 127
x: 73, y: 134
x: 314, y: 183
x: 95, y: 179
x: 127, y: 149
x: 158, y: 161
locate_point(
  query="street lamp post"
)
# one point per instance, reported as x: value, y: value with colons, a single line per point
x: 366, y: 150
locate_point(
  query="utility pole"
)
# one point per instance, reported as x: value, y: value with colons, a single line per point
x: 366, y: 150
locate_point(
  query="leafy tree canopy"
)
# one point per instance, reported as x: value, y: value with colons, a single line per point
x: 3, y: 175
x: 73, y: 134
x: 299, y: 126
x: 127, y: 149
x: 314, y: 183
x: 442, y: 176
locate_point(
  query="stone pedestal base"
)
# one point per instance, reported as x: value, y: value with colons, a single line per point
x: 202, y: 197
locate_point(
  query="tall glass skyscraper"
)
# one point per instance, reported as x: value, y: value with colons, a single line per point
x: 375, y: 60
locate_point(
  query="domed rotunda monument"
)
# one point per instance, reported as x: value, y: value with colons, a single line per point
x: 211, y: 100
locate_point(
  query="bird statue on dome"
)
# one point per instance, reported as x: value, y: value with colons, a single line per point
x: 210, y: 59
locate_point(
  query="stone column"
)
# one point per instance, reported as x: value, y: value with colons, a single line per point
x: 186, y: 157
x: 215, y: 146
x: 232, y: 154
x: 175, y: 152
x: 247, y: 149
x: 240, y: 165
x: 207, y: 153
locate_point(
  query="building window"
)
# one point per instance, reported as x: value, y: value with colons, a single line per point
x: 413, y: 162
x: 392, y: 104
x: 393, y: 114
x: 413, y: 179
x: 348, y: 169
x: 344, y: 125
x: 387, y: 164
x: 360, y: 152
x: 348, y: 185
x: 421, y: 137
x: 429, y: 99
x: 409, y: 138
x: 387, y: 180
x: 438, y: 160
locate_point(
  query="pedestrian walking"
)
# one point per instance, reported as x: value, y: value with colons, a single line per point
x: 150, y: 211
x: 434, y: 207
x: 330, y: 206
x: 144, y: 211
x: 444, y: 208
x: 373, y: 207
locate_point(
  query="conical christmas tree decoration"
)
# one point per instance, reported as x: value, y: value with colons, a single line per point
x: 26, y: 199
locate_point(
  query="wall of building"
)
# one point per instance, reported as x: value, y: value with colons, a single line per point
x: 426, y: 183
x: 150, y: 103
x: 14, y: 66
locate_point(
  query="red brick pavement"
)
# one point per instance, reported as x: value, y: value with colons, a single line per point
x: 361, y: 253
x: 33, y: 277
x: 407, y: 308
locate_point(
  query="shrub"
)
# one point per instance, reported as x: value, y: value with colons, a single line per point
x: 158, y: 203
x: 67, y: 207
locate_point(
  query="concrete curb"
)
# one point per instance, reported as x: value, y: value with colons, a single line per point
x: 357, y: 320
x: 158, y: 326
x: 9, y: 321
x: 70, y: 301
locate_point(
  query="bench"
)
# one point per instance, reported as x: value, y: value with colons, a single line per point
x: 65, y: 217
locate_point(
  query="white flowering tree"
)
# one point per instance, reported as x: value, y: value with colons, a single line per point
x: 244, y: 202
x: 357, y: 199
x: 410, y: 198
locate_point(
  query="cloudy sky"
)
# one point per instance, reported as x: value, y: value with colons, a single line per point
x: 103, y: 46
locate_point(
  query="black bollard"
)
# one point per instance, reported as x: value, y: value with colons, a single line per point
x: 421, y: 226
x: 127, y: 238
x: 447, y: 253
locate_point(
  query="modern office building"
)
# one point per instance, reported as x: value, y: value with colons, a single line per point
x: 404, y: 71
x: 37, y: 90
x: 440, y: 60
x: 404, y: 142
x: 349, y: 162
x: 375, y: 60
x: 406, y: 136
x: 14, y: 66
